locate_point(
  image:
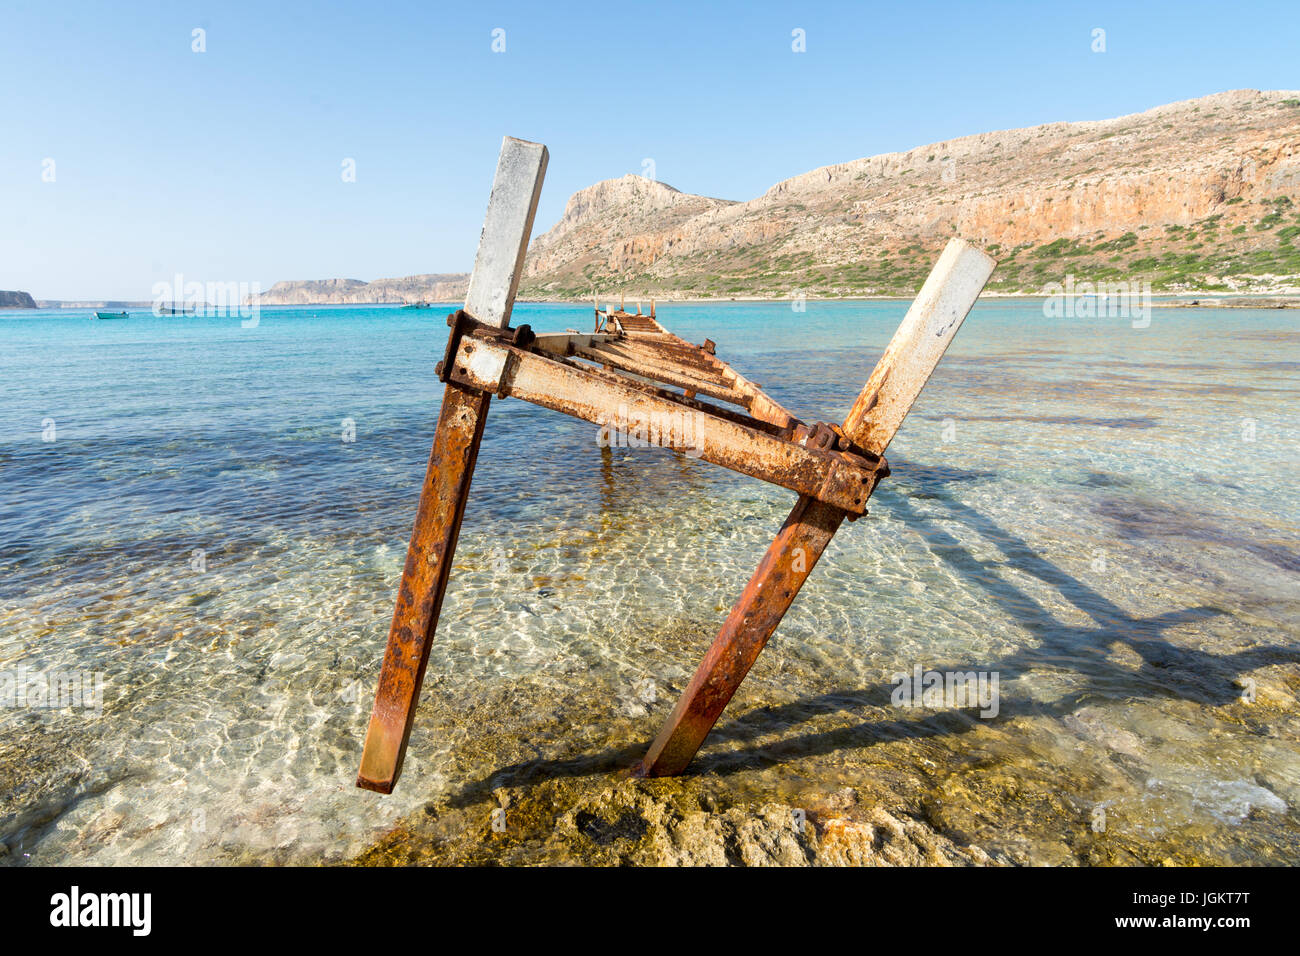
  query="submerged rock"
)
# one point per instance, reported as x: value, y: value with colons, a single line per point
x: 1092, y: 724
x: 645, y: 829
x: 1232, y: 801
x: 672, y: 823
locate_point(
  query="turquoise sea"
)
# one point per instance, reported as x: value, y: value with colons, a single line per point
x: 1105, y: 516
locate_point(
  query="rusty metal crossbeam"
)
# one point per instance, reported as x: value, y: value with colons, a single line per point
x: 834, y: 469
x: 841, y: 478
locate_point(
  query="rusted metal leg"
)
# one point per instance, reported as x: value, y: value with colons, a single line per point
x: 770, y: 592
x: 929, y: 326
x: 497, y: 268
x: 424, y: 582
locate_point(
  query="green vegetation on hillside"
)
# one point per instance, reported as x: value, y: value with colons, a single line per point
x: 1199, y: 255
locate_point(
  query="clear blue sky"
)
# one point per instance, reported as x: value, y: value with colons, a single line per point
x: 226, y: 165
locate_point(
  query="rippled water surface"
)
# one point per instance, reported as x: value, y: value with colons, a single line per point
x: 1105, y: 517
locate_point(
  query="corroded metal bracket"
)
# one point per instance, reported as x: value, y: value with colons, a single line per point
x: 461, y: 322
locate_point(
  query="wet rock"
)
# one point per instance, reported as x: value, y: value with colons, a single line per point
x: 883, y: 839
x: 630, y: 825
x: 1231, y: 801
x: 1091, y: 724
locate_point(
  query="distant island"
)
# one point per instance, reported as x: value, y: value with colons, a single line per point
x: 1193, y: 197
x: 441, y: 287
x: 115, y: 304
x: 16, y: 300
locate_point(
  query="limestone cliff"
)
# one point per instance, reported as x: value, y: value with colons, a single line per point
x: 1198, y: 195
x: 1203, y: 193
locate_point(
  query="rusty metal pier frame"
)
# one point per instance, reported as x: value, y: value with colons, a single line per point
x: 631, y: 374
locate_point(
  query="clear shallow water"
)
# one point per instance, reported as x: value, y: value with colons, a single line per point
x: 1073, y: 505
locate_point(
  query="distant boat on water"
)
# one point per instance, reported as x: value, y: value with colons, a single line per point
x: 110, y: 315
x: 172, y: 310
x: 417, y: 305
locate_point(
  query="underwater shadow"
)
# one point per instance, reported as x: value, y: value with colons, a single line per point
x: 1166, y: 671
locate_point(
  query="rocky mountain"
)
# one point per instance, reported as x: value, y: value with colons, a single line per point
x: 16, y: 300
x: 437, y: 287
x: 612, y: 215
x: 1202, y: 194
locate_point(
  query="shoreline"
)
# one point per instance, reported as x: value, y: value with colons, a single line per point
x: 1205, y: 300
x: 1212, y: 300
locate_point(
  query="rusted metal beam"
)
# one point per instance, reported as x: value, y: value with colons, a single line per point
x: 928, y: 328
x: 607, y: 355
x: 673, y: 360
x: 843, y: 479
x: 563, y: 343
x: 688, y: 357
x: 559, y: 347
x: 760, y: 404
x: 692, y: 403
x: 497, y: 269
x: 424, y: 582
